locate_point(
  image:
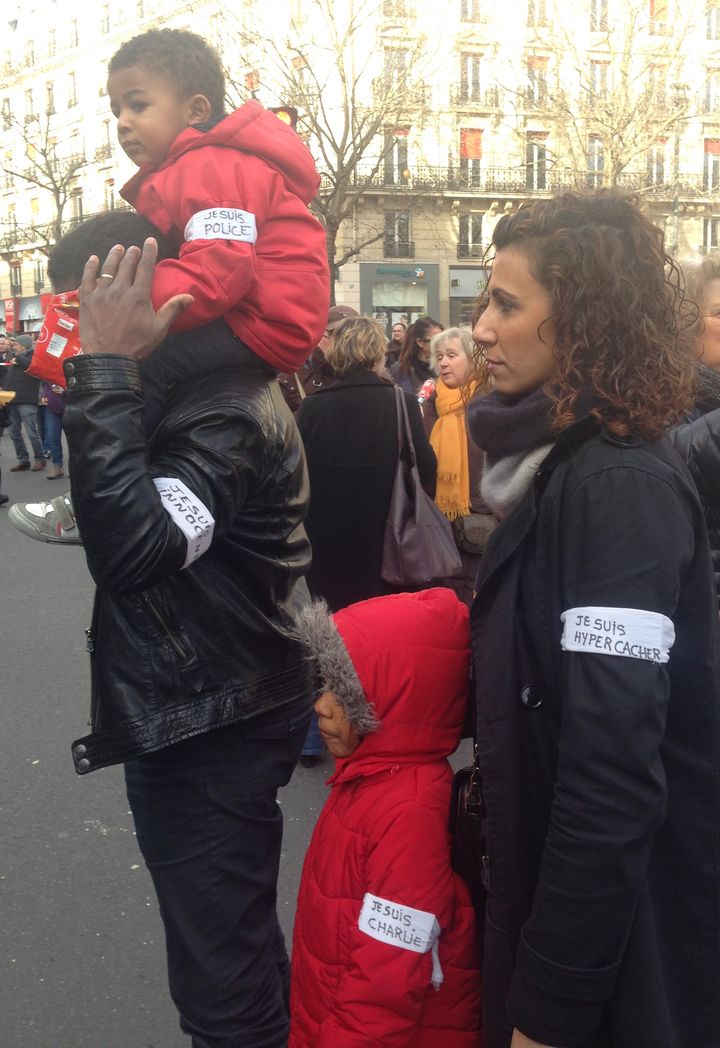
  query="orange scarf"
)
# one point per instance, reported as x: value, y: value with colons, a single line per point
x: 450, y: 443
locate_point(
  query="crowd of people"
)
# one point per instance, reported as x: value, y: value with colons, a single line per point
x: 233, y: 525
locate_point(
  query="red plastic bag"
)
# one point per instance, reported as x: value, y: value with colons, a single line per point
x: 59, y: 339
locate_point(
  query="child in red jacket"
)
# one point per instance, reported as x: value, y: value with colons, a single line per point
x: 384, y: 949
x: 231, y: 192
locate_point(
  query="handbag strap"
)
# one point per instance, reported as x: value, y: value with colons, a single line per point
x: 403, y: 427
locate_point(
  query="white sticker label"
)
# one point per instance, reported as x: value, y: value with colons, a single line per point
x: 631, y: 632
x: 222, y: 223
x: 56, y: 345
x: 191, y: 516
x: 398, y: 925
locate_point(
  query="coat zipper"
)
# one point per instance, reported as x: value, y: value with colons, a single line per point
x: 165, y: 627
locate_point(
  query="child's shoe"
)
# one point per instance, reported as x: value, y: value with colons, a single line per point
x: 52, y: 521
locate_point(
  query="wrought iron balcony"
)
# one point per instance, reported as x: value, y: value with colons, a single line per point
x: 399, y: 249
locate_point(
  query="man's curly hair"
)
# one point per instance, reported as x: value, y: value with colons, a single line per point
x: 620, y: 317
x: 184, y: 58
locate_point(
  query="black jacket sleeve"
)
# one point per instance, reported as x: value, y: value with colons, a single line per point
x: 131, y: 541
x: 698, y: 444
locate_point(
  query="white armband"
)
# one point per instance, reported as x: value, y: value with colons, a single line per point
x: 222, y: 223
x: 188, y: 512
x: 402, y: 926
x: 630, y: 632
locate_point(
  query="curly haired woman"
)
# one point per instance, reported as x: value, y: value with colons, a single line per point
x: 596, y: 645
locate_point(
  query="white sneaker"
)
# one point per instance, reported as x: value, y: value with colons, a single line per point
x: 52, y: 521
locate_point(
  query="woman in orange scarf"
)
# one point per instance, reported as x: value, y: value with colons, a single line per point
x: 459, y: 460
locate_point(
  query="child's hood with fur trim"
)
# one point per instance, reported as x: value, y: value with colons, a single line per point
x: 400, y: 666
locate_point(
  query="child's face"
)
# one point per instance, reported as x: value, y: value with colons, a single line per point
x: 150, y: 113
x: 341, y: 737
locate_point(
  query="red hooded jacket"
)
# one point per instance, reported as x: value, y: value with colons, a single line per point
x: 236, y: 198
x: 381, y: 849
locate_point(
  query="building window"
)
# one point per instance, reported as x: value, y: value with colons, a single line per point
x: 39, y: 276
x: 537, y: 82
x: 8, y: 181
x: 469, y: 10
x: 598, y: 16
x: 50, y: 89
x: 656, y: 165
x: 6, y: 114
x: 470, y: 69
x: 536, y: 161
x: 471, y: 155
x: 658, y: 12
x: 712, y: 90
x: 140, y: 9
x: 657, y: 85
x: 711, y: 166
x: 537, y: 15
x: 711, y: 234
x: 52, y: 42
x: 74, y: 35
x: 109, y: 194
x: 598, y: 76
x: 395, y: 157
x: 712, y: 23
x: 29, y: 106
x: 76, y: 205
x: 16, y: 283
x: 395, y: 68
x: 72, y: 90
x: 470, y: 235
x: 30, y: 53
x: 105, y: 18
x: 596, y: 161
x: 394, y: 9
x: 397, y: 243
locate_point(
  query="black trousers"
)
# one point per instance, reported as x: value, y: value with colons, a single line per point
x: 210, y: 829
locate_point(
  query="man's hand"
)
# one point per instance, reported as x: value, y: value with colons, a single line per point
x: 519, y: 1040
x: 116, y: 313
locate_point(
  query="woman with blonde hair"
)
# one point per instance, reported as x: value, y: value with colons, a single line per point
x: 350, y: 434
x: 459, y: 460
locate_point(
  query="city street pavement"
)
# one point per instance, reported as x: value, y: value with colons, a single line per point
x: 82, y: 962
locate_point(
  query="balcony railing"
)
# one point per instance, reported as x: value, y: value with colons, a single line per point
x: 521, y: 179
x: 470, y: 250
x: 479, y: 99
x: 399, y: 249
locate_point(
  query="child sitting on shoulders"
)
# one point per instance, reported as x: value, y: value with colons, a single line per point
x: 231, y: 192
x: 384, y: 949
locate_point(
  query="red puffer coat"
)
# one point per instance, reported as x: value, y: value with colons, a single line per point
x: 381, y: 845
x: 236, y: 199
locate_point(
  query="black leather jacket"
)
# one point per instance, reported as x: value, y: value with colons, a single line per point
x: 181, y: 650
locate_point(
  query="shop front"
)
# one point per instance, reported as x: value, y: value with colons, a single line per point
x: 399, y: 291
x: 466, y: 283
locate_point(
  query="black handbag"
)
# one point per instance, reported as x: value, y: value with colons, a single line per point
x: 466, y: 826
x: 418, y: 546
x: 473, y: 531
